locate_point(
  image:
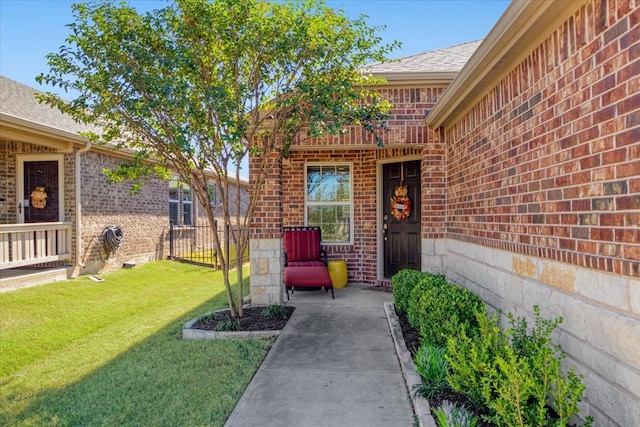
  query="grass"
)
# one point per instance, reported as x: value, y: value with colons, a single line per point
x: 111, y: 353
x: 209, y: 256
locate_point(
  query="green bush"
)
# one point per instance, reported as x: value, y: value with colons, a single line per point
x: 428, y: 282
x: 513, y: 374
x: 449, y: 414
x: 401, y: 284
x: 442, y: 310
x: 274, y: 311
x: 433, y: 368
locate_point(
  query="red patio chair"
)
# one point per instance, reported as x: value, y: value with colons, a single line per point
x: 305, y: 263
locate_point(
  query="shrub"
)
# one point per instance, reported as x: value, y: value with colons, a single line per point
x: 402, y: 283
x: 449, y: 414
x: 428, y: 282
x: 274, y: 311
x: 228, y: 325
x: 470, y: 359
x: 515, y: 373
x: 442, y: 310
x: 433, y: 368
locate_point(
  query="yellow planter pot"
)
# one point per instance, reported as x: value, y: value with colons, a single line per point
x: 338, y: 273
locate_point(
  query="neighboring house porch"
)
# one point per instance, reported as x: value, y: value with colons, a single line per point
x: 57, y: 209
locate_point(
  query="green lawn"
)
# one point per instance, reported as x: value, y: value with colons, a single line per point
x: 85, y: 353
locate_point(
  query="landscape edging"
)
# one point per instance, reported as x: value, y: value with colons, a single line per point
x: 190, y: 333
x: 421, y: 406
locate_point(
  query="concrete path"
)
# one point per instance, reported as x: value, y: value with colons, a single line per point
x: 334, y: 364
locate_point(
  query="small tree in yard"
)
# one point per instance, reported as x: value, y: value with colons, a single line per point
x: 196, y: 86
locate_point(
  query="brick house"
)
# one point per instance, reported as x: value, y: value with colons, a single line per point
x: 40, y: 147
x: 524, y: 178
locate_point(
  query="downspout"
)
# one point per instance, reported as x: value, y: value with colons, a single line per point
x: 84, y: 149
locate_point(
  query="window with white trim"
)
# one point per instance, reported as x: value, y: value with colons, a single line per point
x: 180, y: 203
x: 329, y: 201
x: 187, y: 205
x: 211, y: 189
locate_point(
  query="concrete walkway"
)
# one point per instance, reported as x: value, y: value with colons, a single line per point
x: 334, y: 364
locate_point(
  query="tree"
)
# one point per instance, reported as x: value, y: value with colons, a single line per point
x: 197, y: 85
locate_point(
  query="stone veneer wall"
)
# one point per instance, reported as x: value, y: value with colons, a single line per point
x: 543, y: 198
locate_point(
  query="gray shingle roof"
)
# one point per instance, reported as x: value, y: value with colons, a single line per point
x: 446, y: 59
x: 17, y: 100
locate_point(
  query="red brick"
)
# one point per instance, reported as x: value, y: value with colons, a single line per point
x: 628, y: 137
x: 627, y: 235
x: 632, y: 252
x: 615, y: 156
x: 628, y: 169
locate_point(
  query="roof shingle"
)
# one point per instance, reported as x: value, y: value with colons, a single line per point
x: 448, y: 59
x: 17, y: 100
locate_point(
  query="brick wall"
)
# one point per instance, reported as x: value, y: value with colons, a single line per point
x: 8, y: 172
x: 143, y: 218
x: 543, y: 198
x: 404, y: 139
x: 548, y: 163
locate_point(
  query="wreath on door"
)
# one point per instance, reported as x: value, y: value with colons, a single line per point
x: 39, y: 198
x: 400, y: 203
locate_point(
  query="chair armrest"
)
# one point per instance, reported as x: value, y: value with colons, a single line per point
x: 323, y: 257
x: 286, y: 259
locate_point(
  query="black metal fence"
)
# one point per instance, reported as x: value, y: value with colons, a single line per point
x: 196, y: 245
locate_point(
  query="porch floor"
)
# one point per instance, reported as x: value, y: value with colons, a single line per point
x: 17, y: 278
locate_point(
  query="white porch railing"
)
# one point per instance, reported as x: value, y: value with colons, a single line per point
x: 29, y: 244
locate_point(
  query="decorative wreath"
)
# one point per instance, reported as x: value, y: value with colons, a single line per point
x: 39, y: 198
x: 401, y: 204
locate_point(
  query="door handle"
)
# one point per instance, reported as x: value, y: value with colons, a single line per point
x: 20, y: 208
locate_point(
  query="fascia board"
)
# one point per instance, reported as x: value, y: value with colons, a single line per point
x: 12, y: 127
x: 409, y: 78
x: 523, y: 26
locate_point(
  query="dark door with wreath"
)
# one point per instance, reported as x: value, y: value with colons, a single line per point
x: 41, y: 197
x: 401, y: 216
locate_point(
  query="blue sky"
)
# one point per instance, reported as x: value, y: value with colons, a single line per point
x: 30, y: 29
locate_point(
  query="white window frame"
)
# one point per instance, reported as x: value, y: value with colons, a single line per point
x: 349, y: 203
x: 213, y: 193
x: 186, y: 201
x: 182, y: 201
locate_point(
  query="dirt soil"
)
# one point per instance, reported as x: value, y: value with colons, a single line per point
x: 252, y: 320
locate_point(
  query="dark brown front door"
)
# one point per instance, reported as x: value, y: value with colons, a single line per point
x: 41, y: 197
x: 401, y: 234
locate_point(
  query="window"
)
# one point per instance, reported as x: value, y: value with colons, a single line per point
x: 187, y: 204
x: 174, y: 202
x: 180, y: 194
x: 211, y: 188
x: 328, y: 201
x: 213, y: 194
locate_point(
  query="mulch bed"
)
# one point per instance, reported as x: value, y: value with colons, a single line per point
x: 252, y: 320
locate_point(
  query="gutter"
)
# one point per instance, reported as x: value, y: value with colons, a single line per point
x: 80, y: 151
x: 410, y: 78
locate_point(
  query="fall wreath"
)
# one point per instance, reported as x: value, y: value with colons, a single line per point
x: 39, y: 198
x: 401, y: 204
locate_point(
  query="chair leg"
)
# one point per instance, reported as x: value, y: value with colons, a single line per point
x: 286, y: 289
x: 332, y: 296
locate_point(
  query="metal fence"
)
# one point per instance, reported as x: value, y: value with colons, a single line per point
x: 195, y: 245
